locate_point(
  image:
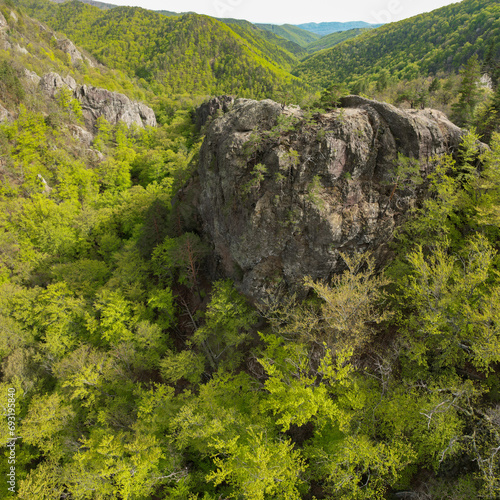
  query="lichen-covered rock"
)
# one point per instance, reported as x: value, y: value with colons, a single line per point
x: 283, y: 195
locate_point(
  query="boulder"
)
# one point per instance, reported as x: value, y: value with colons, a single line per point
x: 283, y: 195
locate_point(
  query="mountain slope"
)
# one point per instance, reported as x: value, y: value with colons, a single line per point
x: 329, y: 41
x: 100, y: 5
x: 440, y: 40
x: 185, y: 54
x: 276, y: 48
x: 323, y: 29
x: 290, y: 32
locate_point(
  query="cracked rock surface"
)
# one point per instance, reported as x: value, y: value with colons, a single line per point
x: 284, y: 194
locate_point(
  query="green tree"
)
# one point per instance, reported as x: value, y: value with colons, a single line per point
x: 469, y: 92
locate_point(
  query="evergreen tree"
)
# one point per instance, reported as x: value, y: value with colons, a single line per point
x: 463, y: 110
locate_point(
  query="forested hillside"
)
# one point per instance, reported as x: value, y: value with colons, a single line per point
x: 323, y: 29
x: 131, y: 365
x: 442, y: 40
x: 95, y: 3
x: 329, y: 41
x: 290, y: 32
x: 278, y: 49
x: 189, y: 54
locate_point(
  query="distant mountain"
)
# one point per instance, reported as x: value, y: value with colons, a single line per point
x: 329, y: 41
x: 277, y: 48
x: 323, y: 29
x: 100, y: 5
x: 290, y: 32
x: 167, y: 12
x: 441, y: 40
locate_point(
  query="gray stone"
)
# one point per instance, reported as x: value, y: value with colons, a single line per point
x: 114, y: 107
x: 209, y: 109
x: 23, y: 50
x: 51, y: 83
x: 96, y: 102
x: 336, y: 197
x: 3, y: 22
x: 31, y: 76
x: 4, y: 114
x: 82, y: 135
x: 69, y: 48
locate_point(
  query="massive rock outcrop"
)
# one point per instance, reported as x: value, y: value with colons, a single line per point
x: 98, y: 102
x: 113, y: 106
x: 283, y: 194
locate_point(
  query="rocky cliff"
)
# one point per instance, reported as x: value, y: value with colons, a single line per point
x: 284, y: 194
x: 98, y: 102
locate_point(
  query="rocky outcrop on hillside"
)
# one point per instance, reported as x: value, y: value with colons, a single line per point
x: 283, y: 194
x: 51, y: 83
x: 96, y: 102
x: 113, y: 106
x: 69, y: 48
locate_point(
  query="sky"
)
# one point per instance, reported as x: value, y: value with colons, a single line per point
x: 296, y: 12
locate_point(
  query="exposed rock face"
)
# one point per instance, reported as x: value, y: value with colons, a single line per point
x: 81, y: 134
x: 4, y: 26
x: 4, y: 114
x: 113, y: 106
x: 212, y: 107
x: 3, y: 22
x: 98, y: 102
x: 284, y: 201
x: 51, y: 83
x: 31, y: 77
x: 69, y: 48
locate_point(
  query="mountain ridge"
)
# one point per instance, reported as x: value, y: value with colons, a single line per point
x: 326, y: 28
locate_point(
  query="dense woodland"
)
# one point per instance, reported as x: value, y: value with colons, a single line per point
x: 140, y: 375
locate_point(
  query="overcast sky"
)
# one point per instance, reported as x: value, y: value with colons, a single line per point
x: 296, y: 12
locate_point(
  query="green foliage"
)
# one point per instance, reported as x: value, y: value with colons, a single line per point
x: 179, y: 258
x: 469, y: 92
x: 332, y: 39
x: 455, y: 310
x: 350, y: 305
x: 11, y: 89
x: 259, y: 469
x: 178, y: 55
x: 442, y: 40
x: 138, y: 377
x: 330, y: 97
x: 293, y: 33
x: 228, y: 320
